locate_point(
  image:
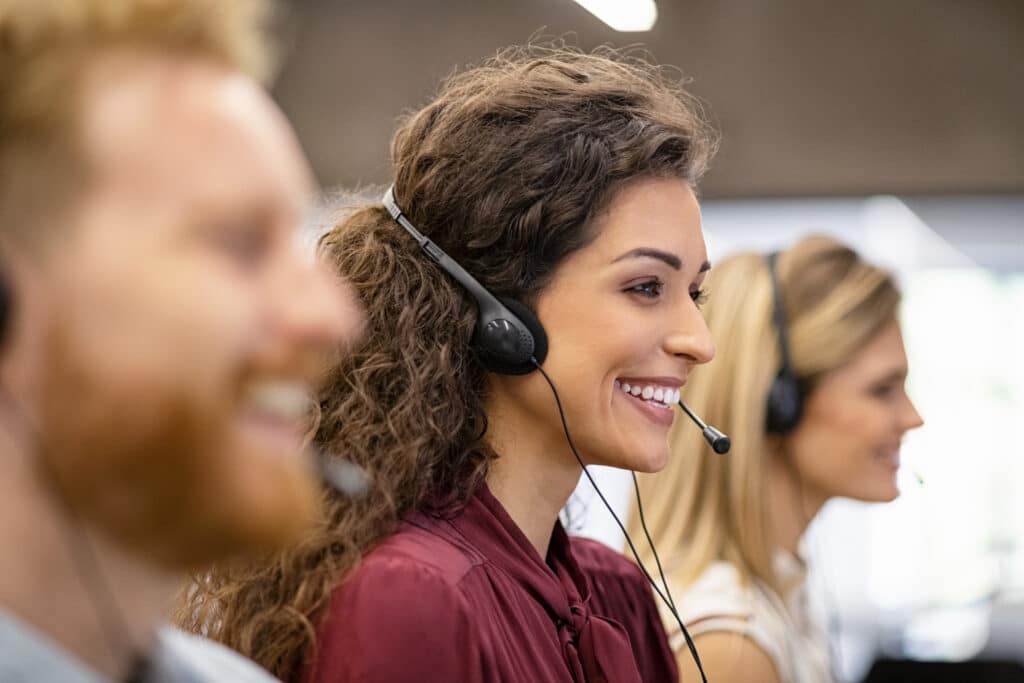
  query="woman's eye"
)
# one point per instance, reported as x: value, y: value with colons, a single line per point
x: 884, y: 391
x: 651, y: 289
x: 699, y: 296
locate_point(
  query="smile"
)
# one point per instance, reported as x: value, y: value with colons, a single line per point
x: 660, y: 396
x: 278, y: 400
x: 655, y: 401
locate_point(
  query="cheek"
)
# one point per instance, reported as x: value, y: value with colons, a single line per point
x: 589, y: 318
x: 835, y: 448
x: 140, y: 361
x: 592, y: 352
x: 822, y: 450
x: 593, y: 341
x: 142, y: 442
x: 160, y: 319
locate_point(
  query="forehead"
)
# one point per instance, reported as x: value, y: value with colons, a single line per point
x: 168, y: 128
x: 882, y: 356
x: 658, y: 213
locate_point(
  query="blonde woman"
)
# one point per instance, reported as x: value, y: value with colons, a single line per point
x: 809, y: 383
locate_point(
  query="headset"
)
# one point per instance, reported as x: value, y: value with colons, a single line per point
x: 510, y: 340
x: 785, y: 403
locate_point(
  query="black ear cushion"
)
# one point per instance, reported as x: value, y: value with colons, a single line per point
x: 784, y: 405
x: 5, y: 309
x: 531, y: 323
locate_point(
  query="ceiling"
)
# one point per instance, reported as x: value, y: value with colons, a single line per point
x: 812, y: 98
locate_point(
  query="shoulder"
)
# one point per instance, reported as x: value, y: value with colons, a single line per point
x: 28, y: 655
x: 186, y: 657
x: 406, y: 599
x: 719, y: 589
x: 721, y: 595
x: 733, y: 623
x: 416, y: 560
x: 728, y: 658
x: 388, y: 578
x: 415, y: 576
x: 416, y: 551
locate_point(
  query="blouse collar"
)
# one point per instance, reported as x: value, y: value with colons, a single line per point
x: 596, y: 648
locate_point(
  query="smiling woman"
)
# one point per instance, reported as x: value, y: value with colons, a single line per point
x: 564, y: 183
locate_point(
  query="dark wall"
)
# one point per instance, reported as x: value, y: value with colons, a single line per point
x: 813, y: 98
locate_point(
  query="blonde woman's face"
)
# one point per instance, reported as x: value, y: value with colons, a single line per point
x: 622, y: 313
x: 848, y: 441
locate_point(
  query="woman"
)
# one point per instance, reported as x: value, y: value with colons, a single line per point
x: 563, y: 181
x: 809, y: 383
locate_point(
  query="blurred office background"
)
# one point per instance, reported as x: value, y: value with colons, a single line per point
x: 897, y: 126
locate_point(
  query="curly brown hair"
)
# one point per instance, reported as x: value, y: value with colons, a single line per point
x: 504, y: 170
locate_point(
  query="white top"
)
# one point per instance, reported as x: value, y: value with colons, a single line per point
x: 782, y: 627
x: 27, y: 656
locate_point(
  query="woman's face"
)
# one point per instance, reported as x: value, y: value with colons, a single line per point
x: 624, y: 328
x: 848, y: 442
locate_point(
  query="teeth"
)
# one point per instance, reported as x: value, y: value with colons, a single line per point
x: 287, y: 400
x: 659, y: 395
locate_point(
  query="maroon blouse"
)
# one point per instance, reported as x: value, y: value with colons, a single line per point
x: 468, y: 599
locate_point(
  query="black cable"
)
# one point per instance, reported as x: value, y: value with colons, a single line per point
x: 108, y: 614
x: 86, y: 563
x: 650, y: 541
x: 667, y: 601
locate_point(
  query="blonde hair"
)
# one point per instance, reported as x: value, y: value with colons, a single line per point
x: 705, y: 507
x: 46, y: 47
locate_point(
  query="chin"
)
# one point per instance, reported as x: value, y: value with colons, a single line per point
x: 643, y: 458
x: 890, y: 495
x: 882, y: 492
x: 276, y: 494
x: 653, y: 464
x: 253, y: 503
x: 646, y: 455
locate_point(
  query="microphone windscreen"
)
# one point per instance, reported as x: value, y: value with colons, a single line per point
x: 718, y: 441
x: 344, y: 476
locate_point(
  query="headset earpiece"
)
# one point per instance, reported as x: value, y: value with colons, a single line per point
x: 785, y: 402
x: 508, y: 344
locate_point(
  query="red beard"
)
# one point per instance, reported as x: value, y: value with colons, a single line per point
x: 141, y: 448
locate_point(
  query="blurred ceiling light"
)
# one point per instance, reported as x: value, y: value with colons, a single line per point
x: 623, y: 15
